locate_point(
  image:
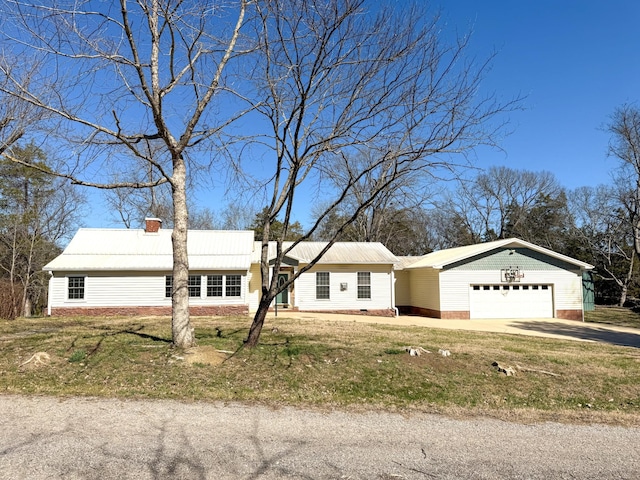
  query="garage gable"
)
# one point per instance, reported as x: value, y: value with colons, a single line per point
x: 519, y: 257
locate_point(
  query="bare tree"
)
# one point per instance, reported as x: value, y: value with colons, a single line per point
x: 602, y: 230
x: 624, y: 127
x: 136, y: 84
x: 16, y: 116
x: 350, y: 97
x: 132, y: 205
x: 38, y: 210
x: 502, y: 202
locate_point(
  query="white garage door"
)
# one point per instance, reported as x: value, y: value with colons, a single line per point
x: 511, y: 301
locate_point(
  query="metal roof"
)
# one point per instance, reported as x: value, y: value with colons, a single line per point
x: 404, y: 262
x: 339, y: 253
x: 442, y: 258
x: 129, y: 249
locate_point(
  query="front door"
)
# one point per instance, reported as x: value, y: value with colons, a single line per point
x: 283, y: 297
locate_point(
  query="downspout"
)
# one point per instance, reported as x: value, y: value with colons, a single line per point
x: 392, y: 278
x: 49, y: 293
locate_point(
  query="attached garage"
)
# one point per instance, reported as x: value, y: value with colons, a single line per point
x: 507, y: 278
x: 511, y: 301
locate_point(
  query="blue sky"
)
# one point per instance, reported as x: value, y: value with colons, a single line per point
x: 574, y: 60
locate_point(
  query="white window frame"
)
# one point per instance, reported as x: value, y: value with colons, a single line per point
x: 82, y: 289
x: 323, y: 285
x: 363, y: 287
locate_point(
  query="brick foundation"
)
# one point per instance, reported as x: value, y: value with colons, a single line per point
x: 569, y: 315
x: 195, y: 310
x: 431, y: 313
x: 374, y: 313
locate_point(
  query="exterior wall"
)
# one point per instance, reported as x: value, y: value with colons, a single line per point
x: 255, y: 287
x: 202, y: 310
x: 347, y: 301
x: 403, y: 288
x: 424, y: 290
x: 135, y: 291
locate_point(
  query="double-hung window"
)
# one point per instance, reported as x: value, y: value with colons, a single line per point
x: 193, y: 284
x: 214, y: 285
x: 76, y: 288
x: 364, y: 285
x: 233, y: 286
x: 322, y: 285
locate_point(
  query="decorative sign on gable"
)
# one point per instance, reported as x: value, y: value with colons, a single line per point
x: 511, y: 274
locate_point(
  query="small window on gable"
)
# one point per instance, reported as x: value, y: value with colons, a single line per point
x: 76, y: 288
x: 476, y: 287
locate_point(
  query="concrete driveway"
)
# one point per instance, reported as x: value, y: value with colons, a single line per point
x: 537, y: 327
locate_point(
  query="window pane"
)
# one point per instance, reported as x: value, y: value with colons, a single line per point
x: 194, y: 285
x: 168, y: 286
x: 214, y: 285
x: 234, y: 286
x: 364, y: 284
x: 76, y: 287
x: 322, y: 285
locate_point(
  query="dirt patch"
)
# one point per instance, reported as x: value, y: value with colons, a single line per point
x: 204, y: 354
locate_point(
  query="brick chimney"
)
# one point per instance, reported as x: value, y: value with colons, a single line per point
x: 152, y: 225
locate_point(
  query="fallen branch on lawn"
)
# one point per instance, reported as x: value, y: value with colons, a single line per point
x: 415, y: 351
x: 38, y: 358
x: 508, y: 370
x: 525, y: 369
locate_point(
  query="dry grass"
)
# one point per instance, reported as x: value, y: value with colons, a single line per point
x: 325, y: 365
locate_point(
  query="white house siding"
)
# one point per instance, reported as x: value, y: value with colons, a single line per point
x: 425, y: 290
x: 345, y: 300
x: 130, y: 289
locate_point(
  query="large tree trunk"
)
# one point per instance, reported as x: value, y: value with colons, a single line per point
x: 180, y: 325
x: 268, y: 288
x: 258, y: 321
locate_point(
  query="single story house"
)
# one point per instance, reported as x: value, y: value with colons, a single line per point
x: 351, y: 277
x: 507, y: 278
x: 128, y: 271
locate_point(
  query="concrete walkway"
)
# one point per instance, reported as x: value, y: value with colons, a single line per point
x: 538, y: 327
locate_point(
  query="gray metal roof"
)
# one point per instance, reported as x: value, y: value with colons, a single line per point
x: 128, y: 249
x: 339, y: 253
x: 441, y: 258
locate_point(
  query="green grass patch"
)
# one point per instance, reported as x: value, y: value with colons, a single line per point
x: 619, y: 316
x: 323, y: 364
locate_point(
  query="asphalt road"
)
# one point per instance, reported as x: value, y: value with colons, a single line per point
x: 48, y: 438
